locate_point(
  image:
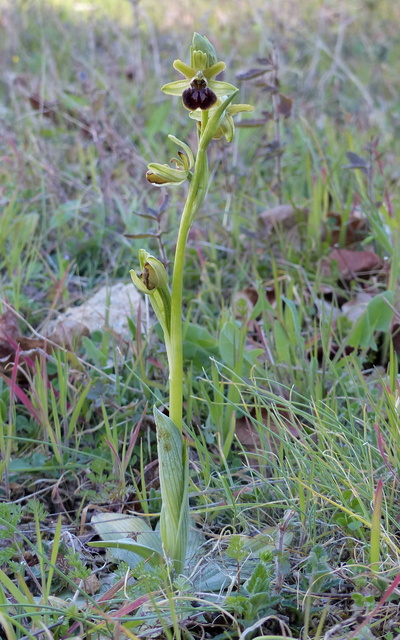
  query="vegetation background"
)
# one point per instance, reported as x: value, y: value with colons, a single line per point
x: 292, y: 317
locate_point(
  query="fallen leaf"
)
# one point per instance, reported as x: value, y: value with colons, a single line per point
x: 284, y: 215
x: 244, y: 301
x: 248, y: 433
x: 395, y: 331
x: 47, y: 109
x: 356, y: 228
x: 352, y: 264
x: 8, y: 331
x: 11, y: 341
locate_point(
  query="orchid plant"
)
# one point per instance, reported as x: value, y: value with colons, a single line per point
x: 209, y: 102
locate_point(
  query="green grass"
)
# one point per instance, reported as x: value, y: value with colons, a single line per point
x: 292, y: 433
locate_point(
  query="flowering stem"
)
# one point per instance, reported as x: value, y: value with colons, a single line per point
x: 196, y: 195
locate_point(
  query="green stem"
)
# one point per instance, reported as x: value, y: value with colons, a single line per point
x: 196, y: 195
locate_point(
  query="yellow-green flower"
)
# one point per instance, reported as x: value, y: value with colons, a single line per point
x: 199, y: 90
x: 163, y: 175
x: 227, y: 126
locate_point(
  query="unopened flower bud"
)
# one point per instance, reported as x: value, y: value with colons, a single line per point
x: 201, y: 43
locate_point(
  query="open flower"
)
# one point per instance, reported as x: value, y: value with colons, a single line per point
x: 227, y: 126
x: 199, y: 90
x: 163, y: 175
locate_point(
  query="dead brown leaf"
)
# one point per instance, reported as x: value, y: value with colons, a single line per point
x: 356, y: 228
x: 9, y: 331
x: 48, y: 109
x: 244, y: 301
x: 396, y: 337
x: 248, y: 435
x: 352, y: 264
x: 11, y: 341
x: 284, y: 215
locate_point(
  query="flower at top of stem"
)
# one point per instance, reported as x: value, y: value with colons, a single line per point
x: 163, y: 175
x: 227, y: 126
x: 199, y: 90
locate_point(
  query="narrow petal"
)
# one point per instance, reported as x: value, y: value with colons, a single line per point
x: 138, y: 282
x: 214, y: 70
x: 233, y: 109
x: 227, y: 127
x: 186, y: 149
x: 184, y: 69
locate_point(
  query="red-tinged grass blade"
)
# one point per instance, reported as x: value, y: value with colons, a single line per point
x: 123, y: 611
x: 382, y: 601
x: 18, y: 392
x: 376, y: 527
x: 128, y: 608
x: 113, y: 451
x: 382, y: 450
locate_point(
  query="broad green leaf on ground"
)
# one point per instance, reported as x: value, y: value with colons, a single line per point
x: 130, y: 538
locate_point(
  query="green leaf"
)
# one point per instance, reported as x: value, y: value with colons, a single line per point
x: 377, y: 317
x: 232, y: 352
x: 199, y: 345
x: 229, y: 344
x: 93, y: 352
x: 174, y: 477
x: 115, y: 529
x: 292, y: 320
x: 281, y: 342
x: 200, y: 336
x: 133, y: 549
